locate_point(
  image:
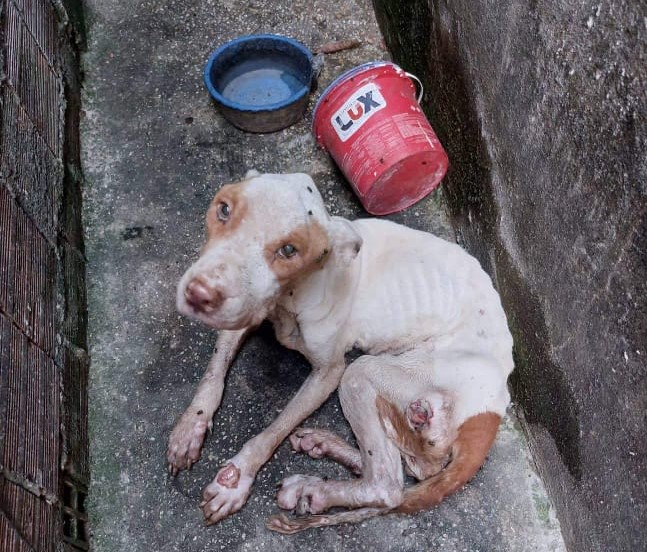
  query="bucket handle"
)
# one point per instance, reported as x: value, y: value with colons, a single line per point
x: 422, y: 88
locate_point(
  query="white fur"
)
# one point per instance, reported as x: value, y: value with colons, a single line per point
x: 420, y: 306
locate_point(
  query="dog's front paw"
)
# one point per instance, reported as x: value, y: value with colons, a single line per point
x: 301, y: 493
x: 185, y: 441
x: 226, y: 494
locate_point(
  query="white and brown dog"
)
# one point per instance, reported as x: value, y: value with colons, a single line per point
x: 431, y: 387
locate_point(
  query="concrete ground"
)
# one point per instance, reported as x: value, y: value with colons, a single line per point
x: 155, y: 151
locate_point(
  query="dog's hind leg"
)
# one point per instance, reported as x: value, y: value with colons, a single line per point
x: 380, y: 488
x: 320, y: 443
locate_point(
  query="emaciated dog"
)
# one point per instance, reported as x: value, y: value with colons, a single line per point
x: 431, y: 387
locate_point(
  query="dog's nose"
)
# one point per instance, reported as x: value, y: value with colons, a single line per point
x: 202, y: 296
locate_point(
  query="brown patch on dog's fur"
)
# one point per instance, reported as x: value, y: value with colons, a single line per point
x: 232, y: 195
x: 430, y: 457
x: 475, y: 437
x: 312, y: 245
x: 406, y: 440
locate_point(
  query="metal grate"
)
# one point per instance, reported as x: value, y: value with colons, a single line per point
x: 27, y: 522
x: 31, y: 50
x: 41, y: 21
x: 43, y: 363
x: 30, y: 168
x: 33, y: 283
x: 31, y: 434
x: 75, y: 518
x: 7, y: 239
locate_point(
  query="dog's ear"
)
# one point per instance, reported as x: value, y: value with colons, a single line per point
x: 345, y: 240
x: 251, y: 173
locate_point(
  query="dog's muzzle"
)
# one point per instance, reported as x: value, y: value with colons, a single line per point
x: 203, y: 296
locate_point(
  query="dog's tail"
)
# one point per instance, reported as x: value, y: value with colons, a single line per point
x: 288, y: 526
x: 475, y: 437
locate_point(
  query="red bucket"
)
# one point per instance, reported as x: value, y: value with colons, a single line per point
x: 370, y: 121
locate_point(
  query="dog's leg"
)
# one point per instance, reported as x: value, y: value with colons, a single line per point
x: 381, y: 485
x: 229, y: 490
x: 185, y: 441
x: 318, y: 443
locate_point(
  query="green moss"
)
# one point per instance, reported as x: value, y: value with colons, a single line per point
x: 542, y: 506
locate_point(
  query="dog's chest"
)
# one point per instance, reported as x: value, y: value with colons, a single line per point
x: 286, y: 329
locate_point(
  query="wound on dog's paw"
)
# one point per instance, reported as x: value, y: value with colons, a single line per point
x: 228, y: 476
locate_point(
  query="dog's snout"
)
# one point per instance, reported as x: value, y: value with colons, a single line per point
x: 201, y: 295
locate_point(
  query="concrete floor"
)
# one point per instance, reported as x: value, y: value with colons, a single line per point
x: 155, y: 151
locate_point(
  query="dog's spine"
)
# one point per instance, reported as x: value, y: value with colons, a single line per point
x: 475, y: 437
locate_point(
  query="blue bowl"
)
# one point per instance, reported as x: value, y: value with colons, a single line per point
x: 261, y: 83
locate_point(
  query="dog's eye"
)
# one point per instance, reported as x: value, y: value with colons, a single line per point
x: 223, y: 211
x: 288, y: 250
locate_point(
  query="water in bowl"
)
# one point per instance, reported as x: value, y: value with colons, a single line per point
x: 260, y: 81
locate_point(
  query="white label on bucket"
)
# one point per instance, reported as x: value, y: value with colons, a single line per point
x: 358, y: 109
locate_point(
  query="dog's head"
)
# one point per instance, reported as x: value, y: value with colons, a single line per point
x: 263, y: 234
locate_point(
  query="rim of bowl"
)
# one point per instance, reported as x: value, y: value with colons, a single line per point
x: 244, y: 107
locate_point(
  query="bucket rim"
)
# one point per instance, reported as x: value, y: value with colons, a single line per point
x: 304, y: 91
x: 344, y: 77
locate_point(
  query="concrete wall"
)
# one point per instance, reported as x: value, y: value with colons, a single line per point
x: 44, y: 468
x: 541, y: 107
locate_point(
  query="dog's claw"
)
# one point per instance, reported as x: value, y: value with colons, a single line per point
x: 210, y: 521
x: 303, y: 506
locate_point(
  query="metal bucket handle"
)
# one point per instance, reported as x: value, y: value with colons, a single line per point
x: 422, y: 88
